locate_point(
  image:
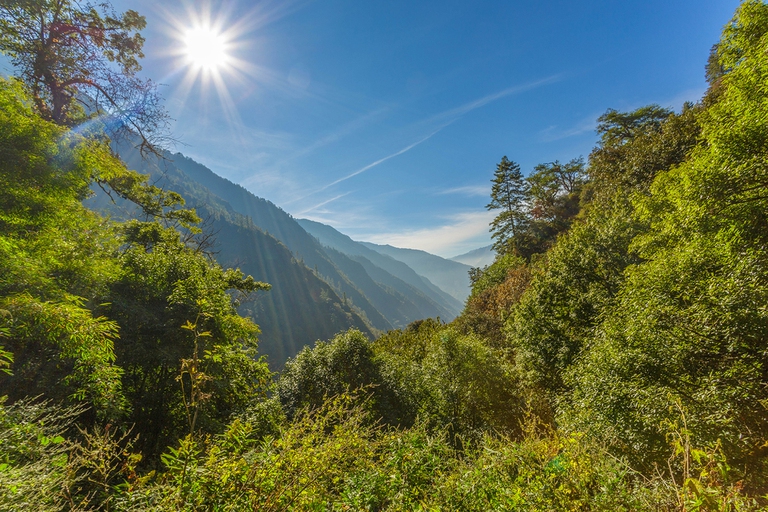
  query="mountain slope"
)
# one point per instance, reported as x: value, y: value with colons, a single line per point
x: 479, y: 258
x: 451, y: 276
x: 276, y: 222
x: 389, y: 271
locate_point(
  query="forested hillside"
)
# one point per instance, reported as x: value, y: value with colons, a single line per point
x: 325, y: 291
x: 384, y: 306
x: 613, y: 357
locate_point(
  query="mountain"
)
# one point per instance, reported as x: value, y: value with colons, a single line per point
x: 275, y: 221
x: 302, y: 306
x: 479, y: 258
x: 317, y: 289
x: 429, y: 300
x: 448, y: 275
x: 385, y: 303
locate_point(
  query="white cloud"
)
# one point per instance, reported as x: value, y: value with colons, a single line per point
x: 461, y: 233
x: 469, y: 190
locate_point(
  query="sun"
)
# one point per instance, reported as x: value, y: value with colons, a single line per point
x: 205, y: 49
x: 211, y: 55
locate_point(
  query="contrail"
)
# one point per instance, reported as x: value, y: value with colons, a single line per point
x: 451, y: 115
x: 323, y: 203
x: 457, y: 112
x: 382, y: 160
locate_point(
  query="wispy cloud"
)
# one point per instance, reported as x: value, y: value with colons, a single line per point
x: 367, y: 167
x: 471, y: 190
x: 294, y: 152
x: 457, y: 112
x: 382, y: 160
x: 443, y: 119
x: 346, y: 129
x: 460, y: 233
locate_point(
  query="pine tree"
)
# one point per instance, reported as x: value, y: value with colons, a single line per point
x: 508, y: 193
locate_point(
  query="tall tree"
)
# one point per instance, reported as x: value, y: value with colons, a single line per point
x: 79, y: 61
x: 508, y: 193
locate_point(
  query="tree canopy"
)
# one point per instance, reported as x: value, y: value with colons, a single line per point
x: 79, y: 61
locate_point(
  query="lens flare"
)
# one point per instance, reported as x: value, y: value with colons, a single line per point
x: 205, y: 49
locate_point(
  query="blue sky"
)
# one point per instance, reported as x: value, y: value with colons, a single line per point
x: 386, y: 119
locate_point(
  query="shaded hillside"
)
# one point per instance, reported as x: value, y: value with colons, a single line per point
x: 299, y: 309
x: 382, y: 289
x: 276, y: 222
x: 449, y: 275
x: 388, y: 271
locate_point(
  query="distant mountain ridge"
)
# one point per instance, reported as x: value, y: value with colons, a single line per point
x: 450, y: 276
x: 300, y: 308
x: 316, y: 291
x: 276, y: 222
x: 389, y: 272
x: 479, y: 258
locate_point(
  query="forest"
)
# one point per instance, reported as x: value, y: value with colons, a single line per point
x: 613, y: 357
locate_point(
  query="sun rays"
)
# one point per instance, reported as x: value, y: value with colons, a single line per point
x: 207, y: 48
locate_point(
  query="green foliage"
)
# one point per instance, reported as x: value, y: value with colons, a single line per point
x: 636, y: 145
x: 469, y: 388
x: 346, y: 363
x: 334, y: 459
x: 91, y: 309
x: 44, y: 467
x: 688, y: 327
x: 162, y: 286
x: 84, y: 345
x: 494, y: 274
x: 495, y: 291
x: 452, y: 381
x: 553, y: 200
x: 39, y: 176
x: 617, y: 128
x: 304, y: 468
x: 570, y: 288
x: 52, y: 253
x: 33, y: 456
x: 535, y: 210
x: 623, y: 369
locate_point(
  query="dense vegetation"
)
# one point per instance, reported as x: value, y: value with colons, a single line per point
x: 613, y: 357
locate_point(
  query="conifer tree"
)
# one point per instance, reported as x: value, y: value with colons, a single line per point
x: 508, y: 193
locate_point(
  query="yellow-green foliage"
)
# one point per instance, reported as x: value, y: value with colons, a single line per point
x: 688, y: 326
